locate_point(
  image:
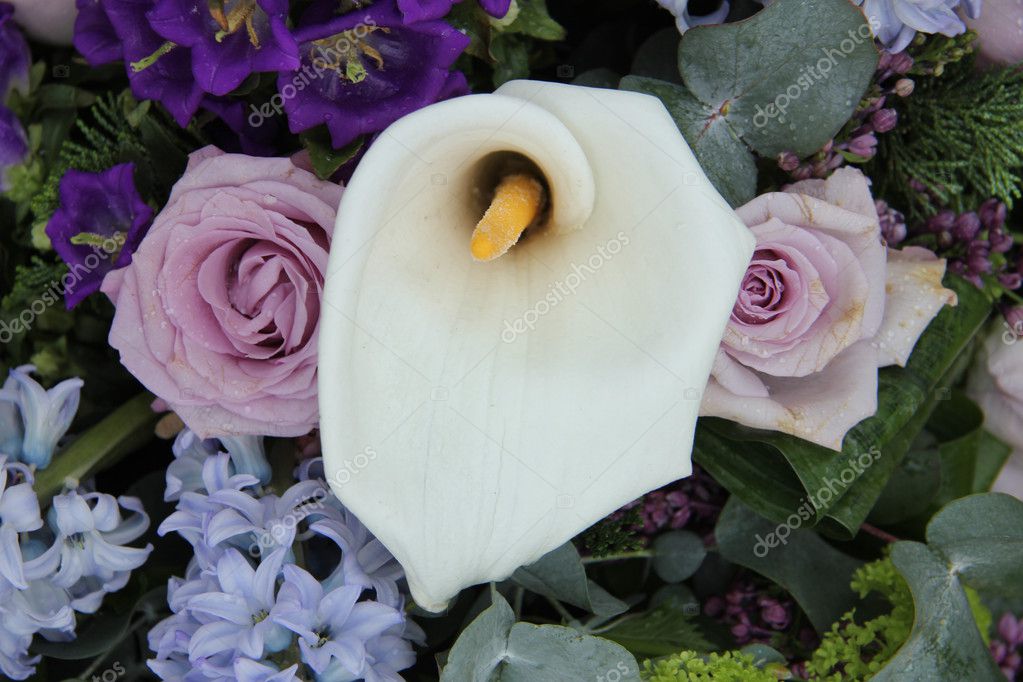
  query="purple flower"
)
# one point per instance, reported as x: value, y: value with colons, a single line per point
x: 46, y: 415
x: 365, y: 70
x: 896, y: 22
x: 184, y: 475
x: 95, y: 37
x: 364, y: 559
x: 91, y: 534
x: 237, y: 615
x: 157, y: 69
x: 425, y: 10
x: 13, y: 144
x: 99, y: 224
x: 228, y: 40
x: 14, y: 54
x: 333, y: 627
x: 19, y: 513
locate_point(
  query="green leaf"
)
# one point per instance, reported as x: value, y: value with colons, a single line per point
x: 123, y: 431
x: 912, y: 488
x: 661, y: 631
x: 981, y: 538
x: 677, y: 555
x: 325, y: 159
x: 944, y: 644
x: 560, y: 575
x: 778, y: 88
x: 535, y: 21
x: 725, y: 159
x: 776, y: 474
x: 510, y: 53
x: 815, y: 573
x: 493, y: 648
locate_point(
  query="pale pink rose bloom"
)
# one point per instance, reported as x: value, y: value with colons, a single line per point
x: 218, y: 313
x: 999, y: 32
x: 823, y: 305
x: 996, y: 384
x: 50, y: 21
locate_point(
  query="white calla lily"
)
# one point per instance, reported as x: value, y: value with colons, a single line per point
x: 476, y: 415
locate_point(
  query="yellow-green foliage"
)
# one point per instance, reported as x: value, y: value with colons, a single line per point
x: 689, y: 666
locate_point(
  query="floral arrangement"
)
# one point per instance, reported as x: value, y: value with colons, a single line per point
x: 479, y: 340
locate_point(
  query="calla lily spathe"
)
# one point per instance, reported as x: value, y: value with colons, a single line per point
x: 476, y: 415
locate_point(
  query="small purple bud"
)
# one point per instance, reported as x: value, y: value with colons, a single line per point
x: 1010, y: 280
x: 992, y: 214
x: 802, y: 173
x: 941, y: 221
x: 1000, y: 241
x: 966, y: 227
x: 977, y: 258
x: 884, y: 61
x: 864, y: 146
x: 917, y: 186
x: 901, y: 62
x: 884, y: 120
x: 904, y: 87
x: 788, y: 161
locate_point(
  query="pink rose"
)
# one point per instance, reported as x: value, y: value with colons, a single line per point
x: 822, y: 306
x: 996, y: 384
x: 218, y: 312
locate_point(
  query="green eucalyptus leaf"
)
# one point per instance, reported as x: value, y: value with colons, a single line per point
x: 981, y: 538
x: 494, y: 648
x: 725, y: 159
x: 560, y: 575
x: 677, y: 555
x: 815, y: 573
x: 944, y: 644
x: 778, y: 88
x: 777, y: 474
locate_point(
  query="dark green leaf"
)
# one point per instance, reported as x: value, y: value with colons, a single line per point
x: 535, y: 21
x: 723, y: 156
x: 783, y: 89
x: 325, y: 159
x: 664, y: 630
x: 657, y: 57
x: 815, y: 573
x: 912, y: 488
x: 511, y: 58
